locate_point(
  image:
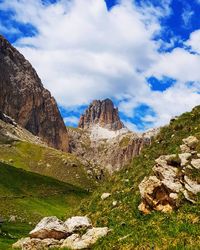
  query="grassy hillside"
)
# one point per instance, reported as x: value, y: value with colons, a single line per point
x: 45, y: 161
x: 131, y: 229
x: 29, y: 197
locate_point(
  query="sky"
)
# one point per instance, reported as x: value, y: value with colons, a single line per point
x: 143, y: 54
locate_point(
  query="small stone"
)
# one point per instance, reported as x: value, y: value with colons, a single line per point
x: 114, y: 203
x: 174, y: 196
x: 105, y: 196
x: 195, y: 163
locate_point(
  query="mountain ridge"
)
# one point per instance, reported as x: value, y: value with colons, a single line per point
x: 24, y: 98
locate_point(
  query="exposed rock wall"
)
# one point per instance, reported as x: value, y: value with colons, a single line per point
x: 23, y: 97
x: 102, y: 113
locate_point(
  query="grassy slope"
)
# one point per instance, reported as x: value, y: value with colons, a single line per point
x: 45, y: 161
x: 131, y: 229
x: 30, y: 197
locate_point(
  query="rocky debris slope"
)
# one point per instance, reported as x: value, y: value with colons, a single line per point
x: 75, y: 233
x: 102, y: 113
x: 10, y: 131
x: 107, y: 154
x: 24, y: 98
x: 173, y: 179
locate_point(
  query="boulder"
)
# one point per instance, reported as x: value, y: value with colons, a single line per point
x: 36, y: 244
x: 76, y: 223
x: 50, y: 227
x: 105, y: 196
x: 191, y: 142
x: 75, y: 241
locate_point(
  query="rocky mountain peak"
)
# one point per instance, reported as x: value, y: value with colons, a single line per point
x: 102, y: 113
x: 24, y: 98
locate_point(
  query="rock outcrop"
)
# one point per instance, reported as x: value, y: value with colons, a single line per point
x: 24, y: 98
x: 76, y: 233
x: 102, y: 113
x: 109, y: 154
x: 172, y: 180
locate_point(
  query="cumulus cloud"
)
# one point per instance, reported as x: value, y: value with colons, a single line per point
x: 83, y: 51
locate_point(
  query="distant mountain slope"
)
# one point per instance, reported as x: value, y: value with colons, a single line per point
x: 21, y: 149
x: 27, y: 197
x: 23, y: 97
x: 132, y: 229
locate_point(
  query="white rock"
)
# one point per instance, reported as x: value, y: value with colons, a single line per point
x: 36, y: 244
x: 173, y: 196
x: 196, y: 163
x: 105, y: 196
x: 77, y: 222
x: 114, y: 203
x: 19, y: 243
x: 184, y: 157
x: 191, y: 141
x: 184, y: 148
x: 50, y: 227
x: 75, y: 241
x: 191, y: 186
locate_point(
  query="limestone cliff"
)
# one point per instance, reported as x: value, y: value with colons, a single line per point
x: 23, y: 97
x: 102, y: 113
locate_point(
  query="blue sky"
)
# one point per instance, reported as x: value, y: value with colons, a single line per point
x: 143, y: 54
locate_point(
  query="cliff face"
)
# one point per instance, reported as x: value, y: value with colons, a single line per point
x: 102, y: 113
x: 23, y: 97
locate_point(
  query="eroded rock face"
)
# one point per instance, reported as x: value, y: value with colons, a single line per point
x: 103, y: 113
x: 162, y: 191
x: 24, y: 98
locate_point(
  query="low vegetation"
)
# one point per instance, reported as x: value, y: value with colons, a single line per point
x: 27, y: 197
x: 131, y: 229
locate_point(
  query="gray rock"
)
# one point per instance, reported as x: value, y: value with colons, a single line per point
x: 50, y: 227
x: 77, y: 222
x: 196, y: 163
x: 75, y: 241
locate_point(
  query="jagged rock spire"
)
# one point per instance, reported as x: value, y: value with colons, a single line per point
x: 102, y: 113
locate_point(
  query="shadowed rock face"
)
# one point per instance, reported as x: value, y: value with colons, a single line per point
x: 23, y: 97
x: 102, y: 113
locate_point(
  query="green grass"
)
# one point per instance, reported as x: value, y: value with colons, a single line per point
x: 131, y: 229
x: 30, y: 197
x: 46, y: 161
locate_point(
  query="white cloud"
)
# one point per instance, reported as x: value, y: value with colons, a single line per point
x: 83, y: 51
x: 187, y: 16
x: 71, y: 120
x: 194, y: 41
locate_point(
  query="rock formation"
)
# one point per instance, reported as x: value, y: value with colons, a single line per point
x: 76, y: 233
x: 102, y: 113
x: 24, y: 98
x: 172, y: 179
